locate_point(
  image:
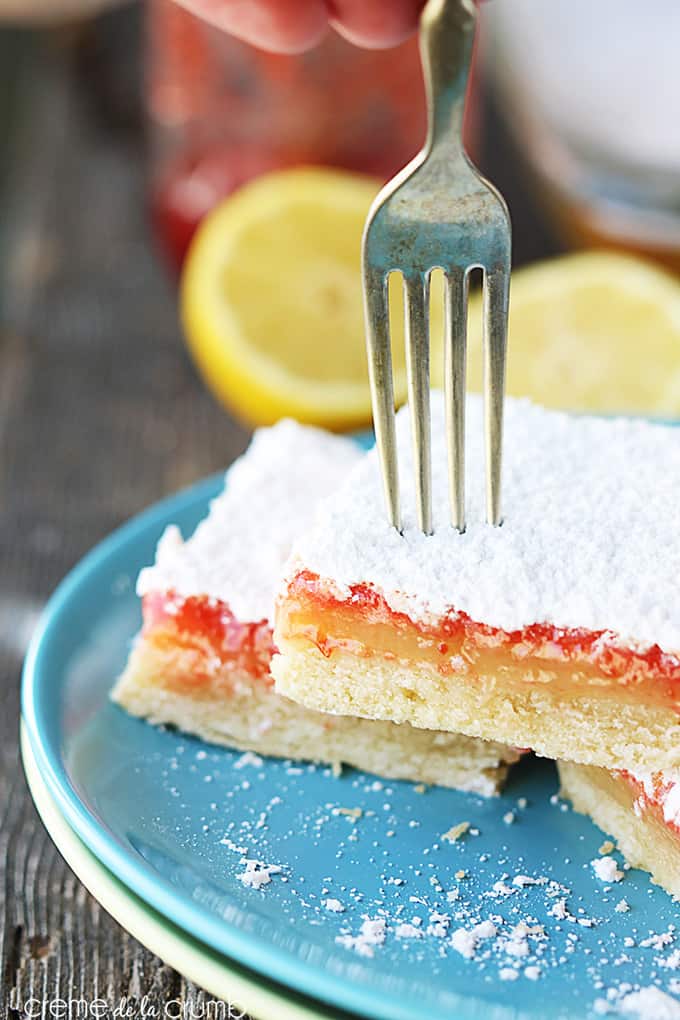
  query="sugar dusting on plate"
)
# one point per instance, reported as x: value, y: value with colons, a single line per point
x: 500, y: 919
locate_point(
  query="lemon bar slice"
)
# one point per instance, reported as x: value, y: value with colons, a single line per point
x: 558, y: 631
x: 201, y: 662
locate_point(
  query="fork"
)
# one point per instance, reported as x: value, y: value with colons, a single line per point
x: 438, y: 213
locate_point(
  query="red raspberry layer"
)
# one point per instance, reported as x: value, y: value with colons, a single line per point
x: 652, y: 801
x: 456, y: 634
x: 209, y: 626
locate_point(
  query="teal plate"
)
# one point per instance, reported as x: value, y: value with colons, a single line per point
x: 172, y: 818
x: 243, y: 991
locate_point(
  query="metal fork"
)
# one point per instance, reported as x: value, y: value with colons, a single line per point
x: 439, y: 212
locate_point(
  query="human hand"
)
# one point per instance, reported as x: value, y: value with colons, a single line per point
x: 290, y: 26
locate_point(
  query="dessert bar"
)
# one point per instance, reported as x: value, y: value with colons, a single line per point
x: 558, y: 630
x: 201, y: 662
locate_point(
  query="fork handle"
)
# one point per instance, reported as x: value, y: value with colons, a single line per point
x: 447, y: 31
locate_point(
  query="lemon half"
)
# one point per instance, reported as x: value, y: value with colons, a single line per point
x: 272, y: 301
x: 272, y: 307
x: 595, y: 331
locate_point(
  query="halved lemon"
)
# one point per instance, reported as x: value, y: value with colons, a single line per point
x: 595, y: 331
x: 272, y: 300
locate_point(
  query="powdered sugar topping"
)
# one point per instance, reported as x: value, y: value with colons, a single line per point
x: 272, y: 491
x: 588, y: 541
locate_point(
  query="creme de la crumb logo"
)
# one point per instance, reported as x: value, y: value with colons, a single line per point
x: 126, y: 1008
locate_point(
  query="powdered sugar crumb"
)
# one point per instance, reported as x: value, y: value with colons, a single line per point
x: 371, y: 935
x: 438, y: 924
x: 407, y: 930
x: 650, y: 1004
x: 466, y: 940
x: 670, y: 962
x: 335, y: 906
x: 248, y: 758
x: 485, y: 930
x: 524, y: 880
x: 658, y: 940
x: 231, y: 845
x: 258, y: 874
x: 606, y: 869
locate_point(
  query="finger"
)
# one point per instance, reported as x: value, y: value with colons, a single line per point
x: 375, y: 23
x: 284, y: 26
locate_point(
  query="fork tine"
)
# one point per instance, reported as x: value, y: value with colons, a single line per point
x: 416, y: 297
x: 496, y: 292
x: 455, y: 336
x: 377, y: 315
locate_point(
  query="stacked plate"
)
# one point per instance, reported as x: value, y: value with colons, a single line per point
x: 359, y: 919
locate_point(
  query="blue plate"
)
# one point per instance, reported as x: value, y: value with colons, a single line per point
x: 172, y: 818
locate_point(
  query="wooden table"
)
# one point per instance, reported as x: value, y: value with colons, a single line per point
x: 101, y: 413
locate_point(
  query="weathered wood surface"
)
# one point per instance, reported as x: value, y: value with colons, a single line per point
x: 100, y: 414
